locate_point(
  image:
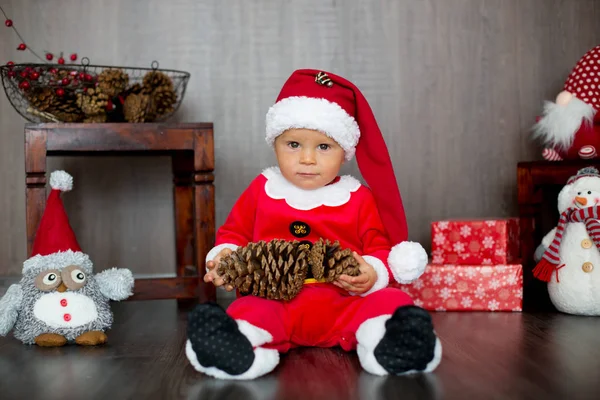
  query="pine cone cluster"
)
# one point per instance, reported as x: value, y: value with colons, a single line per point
x: 112, y: 82
x: 277, y: 269
x: 93, y: 102
x: 159, y: 86
x: 64, y: 108
x: 137, y: 107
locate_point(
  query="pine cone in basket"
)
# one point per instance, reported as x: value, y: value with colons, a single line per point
x: 163, y: 99
x: 112, y: 82
x: 41, y: 98
x: 273, y: 270
x: 328, y: 261
x: 98, y: 118
x: 92, y: 102
x: 154, y: 80
x: 137, y: 108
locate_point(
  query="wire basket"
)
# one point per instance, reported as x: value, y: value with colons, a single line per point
x: 93, y: 93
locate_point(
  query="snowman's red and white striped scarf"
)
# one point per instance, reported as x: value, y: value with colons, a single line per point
x: 551, y: 259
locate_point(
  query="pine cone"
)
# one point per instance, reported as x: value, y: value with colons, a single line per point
x: 41, y: 98
x: 163, y: 99
x: 274, y: 270
x: 66, y: 108
x: 136, y: 88
x: 92, y: 102
x: 155, y: 79
x: 137, y: 107
x: 328, y: 261
x: 112, y: 82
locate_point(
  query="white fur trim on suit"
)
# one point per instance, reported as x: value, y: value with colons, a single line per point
x: 116, y: 283
x: 383, y: 276
x: 58, y: 260
x: 407, y: 260
x: 60, y: 180
x: 368, y: 336
x: 336, y: 194
x: 265, y: 360
x: 215, y: 250
x: 560, y: 122
x: 313, y: 113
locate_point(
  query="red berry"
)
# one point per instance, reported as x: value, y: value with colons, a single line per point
x: 49, y: 56
x: 73, y: 56
x: 8, y: 23
x: 23, y: 74
x: 73, y: 73
x: 85, y: 90
x: 61, y: 60
x: 75, y: 82
x: 22, y: 46
x: 28, y: 69
x: 53, y: 70
x: 89, y: 78
x: 60, y: 92
x: 10, y: 64
x: 24, y: 85
x: 81, y: 76
x: 12, y: 74
x: 34, y: 75
x: 65, y: 81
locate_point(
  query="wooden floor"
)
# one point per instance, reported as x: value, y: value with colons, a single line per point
x: 486, y: 356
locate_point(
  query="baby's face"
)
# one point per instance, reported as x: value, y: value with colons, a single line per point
x: 308, y: 158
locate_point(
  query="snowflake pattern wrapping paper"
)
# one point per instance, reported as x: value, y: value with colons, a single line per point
x: 468, y: 288
x: 475, y: 242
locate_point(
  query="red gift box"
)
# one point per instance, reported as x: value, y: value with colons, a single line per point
x: 475, y: 242
x: 468, y: 288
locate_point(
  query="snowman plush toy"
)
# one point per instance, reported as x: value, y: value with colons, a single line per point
x: 571, y: 260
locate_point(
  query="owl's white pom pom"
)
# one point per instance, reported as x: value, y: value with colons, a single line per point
x: 60, y: 180
x: 115, y: 283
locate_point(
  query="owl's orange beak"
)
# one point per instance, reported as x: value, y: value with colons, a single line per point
x: 581, y: 201
x: 62, y: 288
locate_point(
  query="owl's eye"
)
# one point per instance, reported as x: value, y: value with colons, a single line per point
x: 77, y: 276
x: 74, y: 277
x: 50, y: 278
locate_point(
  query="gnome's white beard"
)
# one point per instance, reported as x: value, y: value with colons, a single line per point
x: 559, y: 123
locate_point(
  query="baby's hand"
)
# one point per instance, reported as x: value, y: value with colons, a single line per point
x: 211, y: 275
x: 358, y: 284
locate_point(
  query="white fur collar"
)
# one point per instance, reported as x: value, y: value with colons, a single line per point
x: 336, y: 194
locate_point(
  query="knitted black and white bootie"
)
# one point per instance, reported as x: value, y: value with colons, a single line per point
x: 225, y: 348
x: 402, y: 343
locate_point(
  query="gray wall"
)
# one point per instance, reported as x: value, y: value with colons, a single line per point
x: 455, y: 85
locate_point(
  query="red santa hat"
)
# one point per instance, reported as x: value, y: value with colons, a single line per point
x: 55, y: 245
x: 577, y: 104
x: 328, y: 103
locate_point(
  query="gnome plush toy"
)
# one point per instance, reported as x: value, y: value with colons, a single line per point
x: 59, y: 299
x: 570, y: 126
x: 571, y: 261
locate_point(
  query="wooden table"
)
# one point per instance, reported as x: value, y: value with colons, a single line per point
x: 539, y: 183
x: 191, y: 148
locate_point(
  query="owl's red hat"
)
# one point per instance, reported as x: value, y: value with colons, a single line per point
x: 55, y: 244
x: 328, y: 103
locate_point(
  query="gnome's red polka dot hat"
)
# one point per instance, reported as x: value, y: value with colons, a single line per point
x: 584, y: 80
x: 55, y: 245
x: 326, y: 102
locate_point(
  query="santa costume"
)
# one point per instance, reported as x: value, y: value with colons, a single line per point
x: 390, y: 334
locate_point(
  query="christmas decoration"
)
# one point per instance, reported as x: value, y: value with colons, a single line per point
x: 278, y: 269
x: 570, y: 126
x: 475, y: 242
x: 572, y: 258
x: 59, y: 299
x: 100, y: 92
x: 451, y: 287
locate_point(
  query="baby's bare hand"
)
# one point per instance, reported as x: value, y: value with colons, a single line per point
x: 212, y: 275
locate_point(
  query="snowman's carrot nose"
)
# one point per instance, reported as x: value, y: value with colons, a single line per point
x: 581, y: 200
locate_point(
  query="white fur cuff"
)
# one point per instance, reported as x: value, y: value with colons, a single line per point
x: 407, y: 260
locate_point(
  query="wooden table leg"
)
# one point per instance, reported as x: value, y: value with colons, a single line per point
x: 183, y: 195
x: 204, y: 229
x: 35, y: 182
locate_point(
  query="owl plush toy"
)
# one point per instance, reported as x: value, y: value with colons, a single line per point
x: 59, y: 299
